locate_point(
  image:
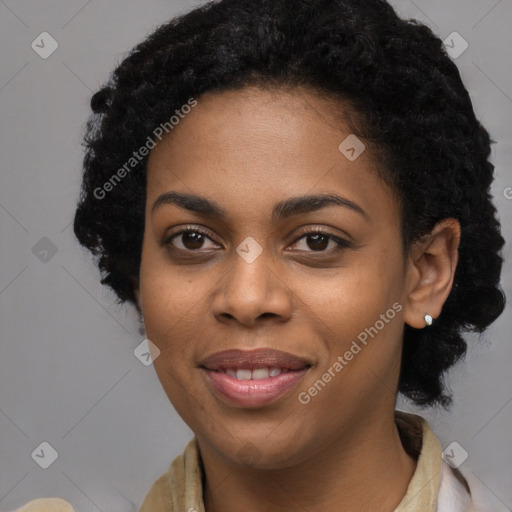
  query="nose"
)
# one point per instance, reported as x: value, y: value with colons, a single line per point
x: 252, y: 292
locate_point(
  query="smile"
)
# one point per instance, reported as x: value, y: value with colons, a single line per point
x: 253, y: 378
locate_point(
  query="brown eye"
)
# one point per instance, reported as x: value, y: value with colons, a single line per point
x: 316, y: 241
x: 192, y: 240
x: 189, y: 240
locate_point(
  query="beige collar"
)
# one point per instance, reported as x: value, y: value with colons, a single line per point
x: 423, y: 488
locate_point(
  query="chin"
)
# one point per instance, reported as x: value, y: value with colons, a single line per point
x: 259, y: 451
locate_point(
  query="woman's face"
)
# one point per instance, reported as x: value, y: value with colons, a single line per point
x: 257, y: 278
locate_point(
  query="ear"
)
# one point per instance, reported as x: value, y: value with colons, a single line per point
x: 430, y: 273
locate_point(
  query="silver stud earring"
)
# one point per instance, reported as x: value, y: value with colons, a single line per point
x: 428, y: 319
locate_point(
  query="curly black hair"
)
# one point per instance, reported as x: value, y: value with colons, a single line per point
x: 406, y: 98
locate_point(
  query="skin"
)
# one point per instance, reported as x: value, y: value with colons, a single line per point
x: 247, y: 150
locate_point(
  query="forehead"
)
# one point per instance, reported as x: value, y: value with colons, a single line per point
x: 251, y: 145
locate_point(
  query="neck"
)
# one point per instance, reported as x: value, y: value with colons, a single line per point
x: 342, y: 473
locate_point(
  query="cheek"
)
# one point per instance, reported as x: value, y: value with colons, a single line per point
x: 351, y: 299
x: 167, y: 294
x: 172, y: 317
x: 175, y: 307
x: 359, y: 311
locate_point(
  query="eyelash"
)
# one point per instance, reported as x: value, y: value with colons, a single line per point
x: 340, y: 242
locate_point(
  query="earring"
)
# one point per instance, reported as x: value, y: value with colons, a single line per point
x: 428, y: 319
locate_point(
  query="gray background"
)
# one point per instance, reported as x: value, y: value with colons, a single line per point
x: 68, y: 374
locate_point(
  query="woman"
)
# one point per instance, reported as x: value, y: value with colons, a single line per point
x: 295, y: 197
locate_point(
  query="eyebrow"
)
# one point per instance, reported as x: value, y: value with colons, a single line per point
x: 283, y: 209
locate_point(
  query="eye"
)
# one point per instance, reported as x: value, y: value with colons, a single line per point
x: 194, y: 239
x: 189, y: 240
x: 318, y: 241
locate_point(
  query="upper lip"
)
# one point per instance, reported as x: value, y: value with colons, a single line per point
x: 256, y: 358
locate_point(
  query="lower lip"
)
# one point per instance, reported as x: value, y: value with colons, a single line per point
x: 253, y: 392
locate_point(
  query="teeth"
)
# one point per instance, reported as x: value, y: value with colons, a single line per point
x: 260, y: 373
x: 256, y: 374
x: 243, y: 374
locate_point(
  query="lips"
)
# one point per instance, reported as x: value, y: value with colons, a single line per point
x: 253, y: 378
